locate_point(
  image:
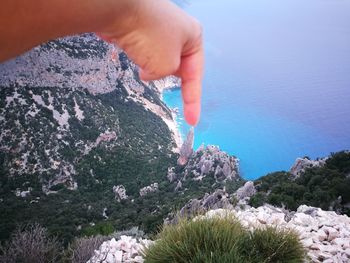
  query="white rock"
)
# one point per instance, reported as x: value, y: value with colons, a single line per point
x: 332, y: 234
x: 303, y: 220
x: 347, y: 252
x: 321, y: 235
x: 308, y: 242
x: 127, y: 249
x: 149, y: 189
x: 118, y: 256
x: 120, y: 192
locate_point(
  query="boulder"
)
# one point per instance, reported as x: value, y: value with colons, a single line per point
x: 246, y: 191
x: 303, y: 163
x: 120, y: 193
x: 149, y: 189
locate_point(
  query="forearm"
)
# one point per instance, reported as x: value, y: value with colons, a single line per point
x: 27, y: 23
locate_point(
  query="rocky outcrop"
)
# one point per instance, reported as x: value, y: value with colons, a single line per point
x: 244, y: 193
x: 324, y: 234
x: 171, y: 175
x: 186, y: 149
x: 23, y: 194
x: 207, y: 161
x: 167, y: 83
x: 120, y: 193
x: 216, y: 200
x: 149, y: 189
x: 304, y: 163
x: 126, y: 250
x: 178, y: 186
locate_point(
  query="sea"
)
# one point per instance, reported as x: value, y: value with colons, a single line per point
x: 277, y: 80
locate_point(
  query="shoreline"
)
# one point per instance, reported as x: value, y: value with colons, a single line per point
x: 170, y: 83
x: 174, y: 128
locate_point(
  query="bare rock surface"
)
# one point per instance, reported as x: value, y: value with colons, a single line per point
x: 120, y: 193
x: 304, y: 163
x: 207, y: 161
x: 246, y: 191
x: 127, y: 249
x: 217, y: 200
x: 186, y: 149
x: 149, y: 189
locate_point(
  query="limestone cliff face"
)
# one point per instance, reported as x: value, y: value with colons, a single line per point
x: 207, y: 161
x: 82, y: 134
x: 51, y: 113
x: 86, y: 63
x: 167, y: 83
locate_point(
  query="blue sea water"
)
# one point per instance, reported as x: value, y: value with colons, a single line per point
x: 277, y: 80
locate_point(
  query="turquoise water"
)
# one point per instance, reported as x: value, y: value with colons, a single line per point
x: 277, y: 80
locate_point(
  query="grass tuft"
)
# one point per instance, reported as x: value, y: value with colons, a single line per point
x: 223, y: 240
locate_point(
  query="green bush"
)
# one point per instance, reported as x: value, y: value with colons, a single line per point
x: 272, y: 245
x: 221, y: 240
x: 102, y: 228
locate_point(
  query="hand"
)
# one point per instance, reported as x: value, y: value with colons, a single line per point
x: 163, y: 40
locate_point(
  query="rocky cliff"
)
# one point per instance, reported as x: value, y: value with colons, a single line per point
x: 87, y: 148
x: 85, y: 145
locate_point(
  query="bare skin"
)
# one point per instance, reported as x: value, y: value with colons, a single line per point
x: 156, y: 34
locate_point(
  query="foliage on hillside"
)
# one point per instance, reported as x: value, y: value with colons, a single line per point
x: 327, y: 187
x: 138, y: 155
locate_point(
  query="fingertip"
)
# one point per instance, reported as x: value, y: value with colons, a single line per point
x: 192, y: 113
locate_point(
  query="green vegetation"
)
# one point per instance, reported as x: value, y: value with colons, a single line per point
x: 327, y: 187
x: 39, y: 149
x: 223, y: 240
x: 138, y: 157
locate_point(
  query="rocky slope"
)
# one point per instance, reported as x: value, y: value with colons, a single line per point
x: 58, y: 83
x: 88, y: 148
x: 85, y: 146
x: 325, y: 235
x: 323, y: 183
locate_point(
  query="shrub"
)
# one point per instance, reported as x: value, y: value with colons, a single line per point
x: 102, y: 228
x: 31, y: 244
x: 272, y: 245
x: 83, y: 249
x: 222, y: 240
x: 211, y: 240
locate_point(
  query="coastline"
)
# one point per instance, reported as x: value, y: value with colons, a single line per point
x: 161, y: 85
x: 175, y: 129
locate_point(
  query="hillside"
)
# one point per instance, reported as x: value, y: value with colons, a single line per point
x: 87, y: 148
x: 324, y: 183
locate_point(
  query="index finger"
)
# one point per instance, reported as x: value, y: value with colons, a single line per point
x: 191, y: 74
